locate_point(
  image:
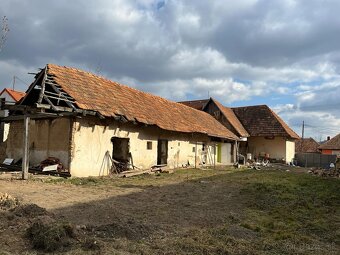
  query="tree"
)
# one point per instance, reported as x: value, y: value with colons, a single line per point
x: 4, y: 32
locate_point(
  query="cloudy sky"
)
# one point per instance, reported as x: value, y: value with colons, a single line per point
x: 282, y: 53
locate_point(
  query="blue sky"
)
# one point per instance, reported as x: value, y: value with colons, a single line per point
x: 282, y: 53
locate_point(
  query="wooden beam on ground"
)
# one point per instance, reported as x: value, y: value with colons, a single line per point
x: 25, y: 158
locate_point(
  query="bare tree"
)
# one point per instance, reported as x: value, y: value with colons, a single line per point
x: 4, y: 32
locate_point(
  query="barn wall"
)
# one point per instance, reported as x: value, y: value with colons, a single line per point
x: 47, y: 138
x: 91, y: 145
x: 276, y: 148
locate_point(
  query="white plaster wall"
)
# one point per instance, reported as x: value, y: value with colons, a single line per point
x: 276, y: 148
x: 290, y: 151
x: 91, y: 141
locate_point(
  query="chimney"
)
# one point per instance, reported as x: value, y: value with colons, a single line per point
x: 328, y: 138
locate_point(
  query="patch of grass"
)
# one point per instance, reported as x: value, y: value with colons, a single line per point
x: 293, y: 207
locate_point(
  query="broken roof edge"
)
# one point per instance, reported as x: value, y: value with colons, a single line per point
x: 223, y: 133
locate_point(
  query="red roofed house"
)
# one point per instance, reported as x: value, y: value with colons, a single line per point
x: 332, y: 146
x: 306, y: 145
x: 8, y: 96
x: 83, y: 119
x: 261, y: 131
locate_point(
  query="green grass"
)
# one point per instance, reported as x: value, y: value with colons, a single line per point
x: 293, y: 212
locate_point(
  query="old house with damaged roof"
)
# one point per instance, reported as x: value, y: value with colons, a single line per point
x: 82, y: 118
x: 262, y: 133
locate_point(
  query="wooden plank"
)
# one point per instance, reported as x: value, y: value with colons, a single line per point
x: 42, y: 91
x: 25, y: 159
x: 69, y: 103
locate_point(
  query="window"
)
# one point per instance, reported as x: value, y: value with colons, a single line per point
x: 193, y: 149
x: 149, y: 145
x: 179, y: 144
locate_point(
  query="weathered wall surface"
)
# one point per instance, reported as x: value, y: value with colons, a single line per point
x: 91, y: 145
x: 47, y: 138
x: 276, y: 148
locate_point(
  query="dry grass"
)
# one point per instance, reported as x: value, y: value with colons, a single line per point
x: 206, y: 212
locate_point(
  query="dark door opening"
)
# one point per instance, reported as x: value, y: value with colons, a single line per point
x: 162, y: 152
x: 120, y: 149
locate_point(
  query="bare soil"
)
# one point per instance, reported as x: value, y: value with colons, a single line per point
x: 188, y: 212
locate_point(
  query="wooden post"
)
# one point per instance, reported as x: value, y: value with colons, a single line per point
x: 215, y: 153
x: 25, y: 158
x: 195, y: 155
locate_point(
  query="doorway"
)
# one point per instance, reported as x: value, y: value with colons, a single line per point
x: 162, y: 152
x: 120, y: 149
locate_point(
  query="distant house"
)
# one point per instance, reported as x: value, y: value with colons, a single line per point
x: 332, y: 146
x: 8, y: 96
x: 261, y: 131
x: 307, y: 145
x: 84, y: 119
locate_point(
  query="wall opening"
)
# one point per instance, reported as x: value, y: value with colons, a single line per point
x: 162, y: 152
x: 120, y: 149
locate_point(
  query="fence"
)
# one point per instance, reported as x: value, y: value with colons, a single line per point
x: 314, y: 160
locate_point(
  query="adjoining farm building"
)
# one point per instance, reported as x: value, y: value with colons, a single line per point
x: 261, y: 131
x: 84, y: 119
x: 332, y: 146
x: 307, y: 145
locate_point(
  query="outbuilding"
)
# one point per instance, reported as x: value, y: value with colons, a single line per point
x: 84, y: 120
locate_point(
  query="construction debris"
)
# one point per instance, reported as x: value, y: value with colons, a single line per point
x: 46, y: 164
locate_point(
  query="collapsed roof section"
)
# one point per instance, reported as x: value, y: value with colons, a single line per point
x: 64, y: 89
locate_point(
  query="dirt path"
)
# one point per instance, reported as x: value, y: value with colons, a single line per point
x: 54, y: 196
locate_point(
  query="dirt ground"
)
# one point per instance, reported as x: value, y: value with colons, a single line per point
x: 188, y: 212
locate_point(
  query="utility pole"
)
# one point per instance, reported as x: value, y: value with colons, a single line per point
x: 303, y: 129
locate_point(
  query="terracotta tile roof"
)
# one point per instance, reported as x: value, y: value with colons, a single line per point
x: 231, y: 117
x: 333, y: 144
x: 227, y: 112
x: 110, y: 99
x: 16, y: 95
x: 306, y: 145
x: 260, y: 120
x: 196, y: 104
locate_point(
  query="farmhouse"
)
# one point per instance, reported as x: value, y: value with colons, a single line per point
x: 261, y: 131
x: 83, y: 120
x: 8, y: 96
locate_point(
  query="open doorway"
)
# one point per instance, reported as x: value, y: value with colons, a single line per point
x: 120, y: 149
x: 162, y: 152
